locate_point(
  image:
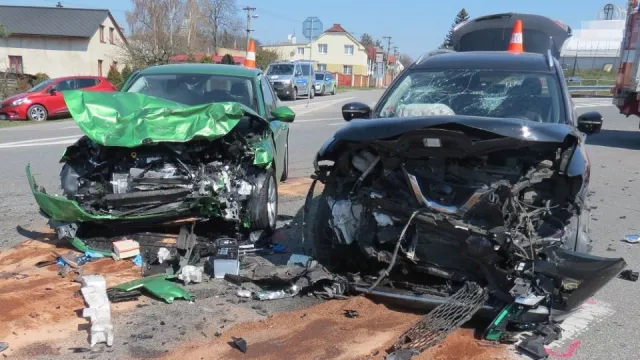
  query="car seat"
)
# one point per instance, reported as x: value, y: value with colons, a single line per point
x: 241, y: 93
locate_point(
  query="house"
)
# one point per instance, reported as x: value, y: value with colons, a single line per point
x: 335, y: 51
x: 59, y: 41
x: 238, y: 56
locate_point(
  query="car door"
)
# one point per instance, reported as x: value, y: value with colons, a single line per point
x: 55, y: 104
x: 279, y: 128
x: 301, y: 80
x: 329, y: 83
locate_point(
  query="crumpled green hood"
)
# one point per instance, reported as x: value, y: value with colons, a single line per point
x: 131, y: 119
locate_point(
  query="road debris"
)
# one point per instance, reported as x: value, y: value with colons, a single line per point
x: 159, y: 286
x: 191, y: 274
x: 3, y: 346
x: 244, y: 293
x: 240, y: 344
x: 632, y: 239
x: 351, y: 313
x: 629, y: 275
x: 94, y: 291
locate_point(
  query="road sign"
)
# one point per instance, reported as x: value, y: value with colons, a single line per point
x: 312, y: 28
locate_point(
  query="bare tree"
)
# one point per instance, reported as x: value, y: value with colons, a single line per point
x: 220, y: 16
x: 156, y: 32
x: 405, y: 59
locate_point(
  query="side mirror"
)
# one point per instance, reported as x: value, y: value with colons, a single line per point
x: 355, y: 110
x: 284, y: 114
x: 590, y: 122
x: 53, y: 91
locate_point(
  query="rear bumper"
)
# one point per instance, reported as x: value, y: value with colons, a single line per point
x: 13, y: 113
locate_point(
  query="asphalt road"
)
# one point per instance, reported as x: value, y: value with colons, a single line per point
x: 606, y: 327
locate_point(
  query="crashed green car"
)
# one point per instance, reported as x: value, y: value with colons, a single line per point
x: 178, y: 142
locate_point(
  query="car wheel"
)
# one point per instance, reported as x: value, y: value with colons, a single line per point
x: 312, y: 93
x: 322, y: 92
x: 294, y: 97
x: 37, y: 113
x: 285, y: 172
x: 333, y: 92
x: 263, y: 205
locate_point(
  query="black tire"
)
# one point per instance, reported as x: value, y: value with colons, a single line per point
x: 294, y: 97
x: 285, y: 172
x: 312, y: 93
x: 333, y: 92
x: 37, y: 113
x: 263, y: 218
x: 322, y: 92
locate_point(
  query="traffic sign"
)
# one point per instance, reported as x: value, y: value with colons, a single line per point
x: 311, y: 28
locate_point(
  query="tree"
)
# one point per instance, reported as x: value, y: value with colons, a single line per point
x: 219, y: 15
x: 264, y: 58
x: 405, y: 60
x: 227, y: 59
x: 156, y: 32
x: 126, y: 72
x: 460, y: 18
x: 206, y: 60
x: 191, y: 59
x: 3, y: 31
x: 115, y: 77
x: 40, y: 77
x: 378, y: 43
x: 366, y: 40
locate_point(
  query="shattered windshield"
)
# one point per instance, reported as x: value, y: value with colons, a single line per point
x: 196, y: 89
x: 40, y: 86
x: 475, y: 92
x: 281, y: 69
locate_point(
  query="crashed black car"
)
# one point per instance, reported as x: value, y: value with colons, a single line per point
x: 471, y: 169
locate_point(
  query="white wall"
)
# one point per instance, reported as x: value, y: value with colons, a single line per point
x: 62, y: 56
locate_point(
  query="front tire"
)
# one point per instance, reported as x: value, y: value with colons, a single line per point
x: 263, y: 204
x: 322, y: 92
x: 333, y: 92
x: 312, y: 93
x: 37, y: 113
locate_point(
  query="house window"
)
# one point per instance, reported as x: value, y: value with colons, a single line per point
x: 111, y: 35
x: 348, y: 49
x: 322, y: 48
x: 101, y: 33
x: 99, y: 67
x: 347, y: 69
x: 114, y: 65
x: 15, y: 64
x: 322, y: 67
x: 300, y: 51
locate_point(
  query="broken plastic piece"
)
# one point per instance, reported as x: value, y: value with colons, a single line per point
x: 191, y: 273
x: 346, y: 217
x: 244, y: 293
x: 302, y: 260
x: 351, y: 313
x: 629, y: 275
x: 632, y: 239
x: 382, y: 219
x: 402, y: 354
x: 159, y: 286
x: 81, y: 246
x: 236, y: 279
x: 98, y: 310
x: 163, y: 255
x: 137, y: 260
x: 4, y: 346
x: 240, y: 344
x: 280, y: 294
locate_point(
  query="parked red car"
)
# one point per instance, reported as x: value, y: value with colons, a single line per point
x: 45, y: 99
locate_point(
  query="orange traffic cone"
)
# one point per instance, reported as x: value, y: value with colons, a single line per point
x: 250, y: 60
x: 516, y: 46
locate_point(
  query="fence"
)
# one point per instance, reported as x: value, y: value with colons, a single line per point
x: 589, y: 86
x: 344, y: 80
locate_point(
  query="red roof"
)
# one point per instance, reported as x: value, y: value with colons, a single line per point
x: 392, y: 59
x: 336, y: 28
x: 217, y: 58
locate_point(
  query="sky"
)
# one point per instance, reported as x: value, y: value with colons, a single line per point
x: 415, y: 26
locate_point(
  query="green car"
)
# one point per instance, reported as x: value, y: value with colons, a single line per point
x: 183, y: 141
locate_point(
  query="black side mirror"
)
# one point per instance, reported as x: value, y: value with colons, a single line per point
x: 590, y: 122
x: 355, y: 110
x: 53, y: 90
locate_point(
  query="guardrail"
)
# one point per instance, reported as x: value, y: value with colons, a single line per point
x: 590, y: 86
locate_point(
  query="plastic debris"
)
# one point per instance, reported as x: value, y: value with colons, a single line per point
x: 240, y: 344
x: 99, y: 310
x: 351, y: 313
x: 302, y: 260
x: 629, y: 275
x: 402, y: 354
x: 275, y: 295
x: 244, y: 293
x: 163, y: 255
x: 82, y: 247
x: 382, y: 219
x: 632, y: 239
x: 159, y: 286
x: 4, y: 346
x: 278, y: 249
x: 88, y: 256
x: 137, y: 260
x: 190, y: 273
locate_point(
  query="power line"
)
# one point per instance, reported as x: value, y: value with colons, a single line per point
x: 249, y: 30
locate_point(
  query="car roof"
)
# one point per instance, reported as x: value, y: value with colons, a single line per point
x: 490, y: 60
x: 211, y: 69
x: 78, y: 77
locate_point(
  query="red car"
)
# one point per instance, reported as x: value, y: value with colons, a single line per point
x: 45, y: 99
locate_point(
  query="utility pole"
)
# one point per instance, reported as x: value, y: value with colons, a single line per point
x: 395, y: 64
x: 249, y: 9
x: 388, y: 50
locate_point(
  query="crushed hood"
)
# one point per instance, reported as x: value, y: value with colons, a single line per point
x: 380, y: 129
x: 130, y: 119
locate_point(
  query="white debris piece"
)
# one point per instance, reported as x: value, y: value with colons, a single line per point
x: 383, y: 219
x: 244, y: 293
x: 346, y: 217
x: 191, y: 273
x: 244, y: 188
x: 163, y: 255
x: 94, y: 291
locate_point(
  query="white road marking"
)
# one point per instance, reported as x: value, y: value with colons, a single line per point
x: 41, y: 142
x: 314, y: 120
x: 324, y: 104
x: 591, y: 313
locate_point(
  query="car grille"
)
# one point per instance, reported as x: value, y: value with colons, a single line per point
x: 277, y: 83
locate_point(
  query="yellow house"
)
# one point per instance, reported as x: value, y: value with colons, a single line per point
x: 335, y: 51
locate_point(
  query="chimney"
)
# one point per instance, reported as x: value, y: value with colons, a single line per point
x: 59, y: 5
x: 293, y: 39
